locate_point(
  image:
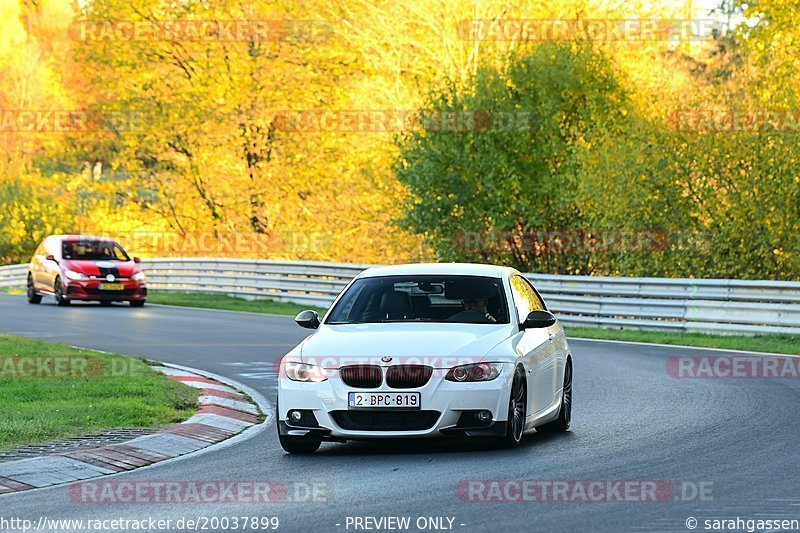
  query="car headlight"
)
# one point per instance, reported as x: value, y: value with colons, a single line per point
x: 139, y: 276
x: 304, y: 372
x: 475, y: 372
x: 71, y: 274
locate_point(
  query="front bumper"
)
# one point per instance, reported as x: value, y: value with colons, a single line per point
x: 446, y: 409
x: 90, y: 291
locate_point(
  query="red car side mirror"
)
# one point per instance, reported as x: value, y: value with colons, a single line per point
x: 50, y: 257
x: 137, y: 260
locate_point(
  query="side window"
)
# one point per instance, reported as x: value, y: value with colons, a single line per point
x: 525, y: 298
x: 119, y: 253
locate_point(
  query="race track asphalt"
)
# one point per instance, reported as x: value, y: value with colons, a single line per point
x: 735, y: 438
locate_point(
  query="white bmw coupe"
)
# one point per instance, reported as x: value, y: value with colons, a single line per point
x: 427, y: 350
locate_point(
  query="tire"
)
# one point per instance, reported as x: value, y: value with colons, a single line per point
x: 303, y: 445
x: 564, y: 419
x: 59, y: 293
x: 516, y: 411
x: 137, y: 303
x: 33, y: 298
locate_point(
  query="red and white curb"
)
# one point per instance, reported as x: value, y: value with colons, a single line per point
x: 223, y: 413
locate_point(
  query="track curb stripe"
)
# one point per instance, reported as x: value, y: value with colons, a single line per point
x: 217, y: 419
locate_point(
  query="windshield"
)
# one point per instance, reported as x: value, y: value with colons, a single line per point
x: 93, y: 251
x: 458, y: 299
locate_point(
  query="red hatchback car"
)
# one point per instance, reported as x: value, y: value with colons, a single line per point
x: 80, y: 267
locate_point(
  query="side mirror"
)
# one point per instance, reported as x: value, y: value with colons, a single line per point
x: 51, y: 257
x: 538, y: 319
x: 307, y: 319
x: 137, y: 260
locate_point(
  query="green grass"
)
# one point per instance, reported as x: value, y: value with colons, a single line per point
x: 788, y: 344
x: 13, y: 290
x: 230, y: 303
x: 93, y: 392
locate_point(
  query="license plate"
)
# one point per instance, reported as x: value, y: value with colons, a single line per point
x: 111, y: 287
x: 383, y: 400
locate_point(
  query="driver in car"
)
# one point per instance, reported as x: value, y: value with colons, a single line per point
x: 475, y: 312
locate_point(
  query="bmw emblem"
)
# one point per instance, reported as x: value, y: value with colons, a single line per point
x: 110, y: 277
x: 386, y: 358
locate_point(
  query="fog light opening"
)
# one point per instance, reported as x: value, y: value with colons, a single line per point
x: 484, y: 416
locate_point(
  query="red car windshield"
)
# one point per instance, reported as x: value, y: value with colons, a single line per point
x: 93, y: 251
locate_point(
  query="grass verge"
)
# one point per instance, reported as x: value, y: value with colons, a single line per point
x: 231, y: 303
x: 788, y: 344
x: 13, y: 290
x: 49, y: 391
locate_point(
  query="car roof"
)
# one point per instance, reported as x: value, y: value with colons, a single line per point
x: 80, y: 238
x: 451, y: 269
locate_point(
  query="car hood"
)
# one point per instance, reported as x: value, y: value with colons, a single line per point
x: 439, y: 345
x: 120, y: 269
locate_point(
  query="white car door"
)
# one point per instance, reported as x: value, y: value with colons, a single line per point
x: 537, y: 349
x: 559, y: 343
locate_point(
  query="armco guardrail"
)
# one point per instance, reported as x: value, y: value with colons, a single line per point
x: 311, y: 282
x: 684, y: 305
x: 13, y: 276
